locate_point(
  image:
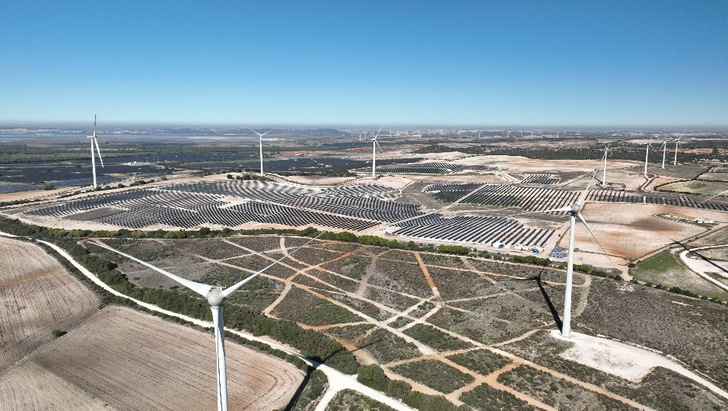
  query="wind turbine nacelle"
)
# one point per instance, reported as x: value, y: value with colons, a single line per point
x: 214, y: 297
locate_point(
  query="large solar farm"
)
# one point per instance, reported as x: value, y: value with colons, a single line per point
x: 442, y: 277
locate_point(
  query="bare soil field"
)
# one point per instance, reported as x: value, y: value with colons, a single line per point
x: 31, y: 387
x: 135, y: 361
x: 718, y: 237
x: 528, y: 165
x: 37, y: 296
x: 632, y: 230
x: 701, y: 187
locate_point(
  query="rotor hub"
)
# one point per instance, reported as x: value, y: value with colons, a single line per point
x: 214, y: 297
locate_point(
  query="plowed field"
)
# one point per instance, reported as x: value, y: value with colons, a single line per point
x: 133, y: 361
x: 37, y: 296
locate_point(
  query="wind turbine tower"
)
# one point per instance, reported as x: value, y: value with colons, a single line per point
x: 574, y: 211
x: 647, y: 154
x: 95, y: 142
x: 375, y: 143
x: 604, y: 173
x: 664, y: 151
x: 260, y: 137
x: 677, y: 143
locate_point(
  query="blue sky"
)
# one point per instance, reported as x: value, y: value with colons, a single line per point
x: 398, y: 62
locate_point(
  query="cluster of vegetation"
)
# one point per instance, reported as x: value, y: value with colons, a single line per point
x: 245, y: 176
x: 58, y: 333
x: 386, y: 347
x: 677, y: 290
x: 435, y: 338
x: 140, y: 182
x: 453, y: 249
x: 485, y: 397
x: 349, y: 399
x: 483, y: 362
x: 554, y: 391
x: 435, y: 375
x: 374, y: 377
x: 301, y: 306
x: 314, y: 386
x: 545, y: 262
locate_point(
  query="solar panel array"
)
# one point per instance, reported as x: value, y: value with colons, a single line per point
x: 543, y: 198
x: 540, y: 179
x: 189, y: 205
x: 232, y: 203
x: 475, y: 230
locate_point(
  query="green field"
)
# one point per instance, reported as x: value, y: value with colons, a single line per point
x: 666, y: 270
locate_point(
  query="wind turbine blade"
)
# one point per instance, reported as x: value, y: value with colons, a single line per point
x: 583, y: 195
x: 581, y: 218
x: 199, y: 288
x: 94, y: 125
x: 265, y: 133
x: 712, y: 197
x: 96, y: 142
x: 259, y: 135
x: 380, y: 130
x: 377, y: 143
x: 553, y: 210
x: 681, y: 135
x: 225, y: 293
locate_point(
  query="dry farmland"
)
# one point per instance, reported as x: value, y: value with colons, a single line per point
x: 134, y: 361
x: 37, y: 296
x: 116, y: 358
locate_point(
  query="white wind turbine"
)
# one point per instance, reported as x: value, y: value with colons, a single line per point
x: 677, y: 142
x: 604, y: 173
x: 664, y: 151
x: 260, y: 137
x: 375, y: 143
x: 574, y: 211
x: 215, y: 297
x: 95, y: 142
x: 647, y: 153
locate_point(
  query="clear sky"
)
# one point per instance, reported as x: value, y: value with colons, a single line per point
x: 398, y: 62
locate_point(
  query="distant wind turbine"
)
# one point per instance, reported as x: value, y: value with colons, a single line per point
x: 677, y: 143
x: 574, y: 211
x: 604, y: 173
x: 260, y: 137
x: 215, y: 297
x: 95, y: 142
x: 375, y: 144
x: 647, y: 153
x: 664, y: 151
